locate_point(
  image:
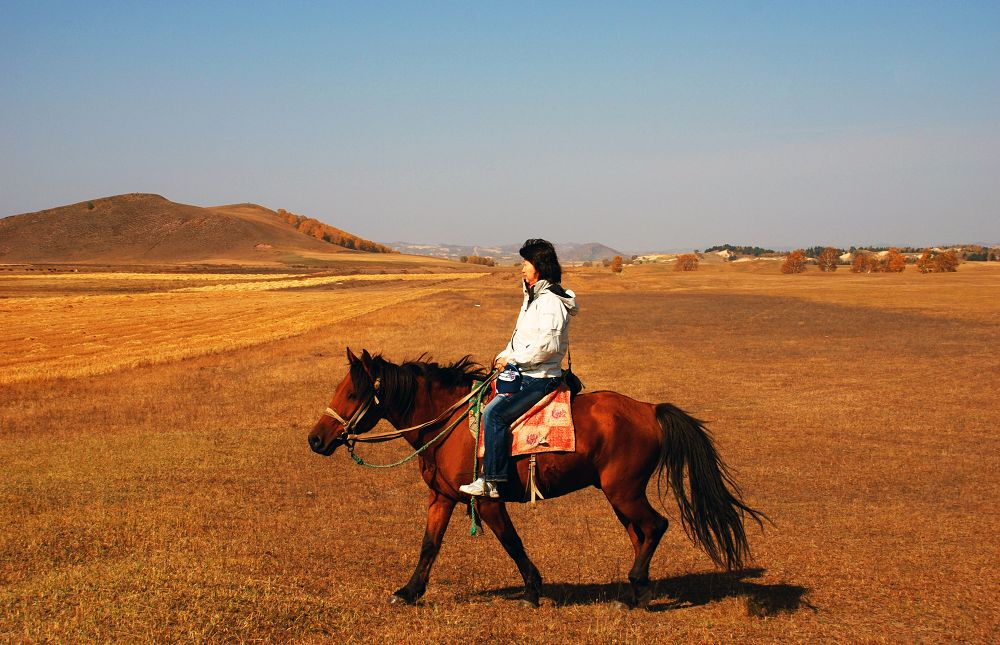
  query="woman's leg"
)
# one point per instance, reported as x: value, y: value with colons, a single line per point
x: 503, y: 410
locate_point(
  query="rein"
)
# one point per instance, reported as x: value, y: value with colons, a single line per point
x: 350, y: 439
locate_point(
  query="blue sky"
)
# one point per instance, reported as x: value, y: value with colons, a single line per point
x: 642, y: 125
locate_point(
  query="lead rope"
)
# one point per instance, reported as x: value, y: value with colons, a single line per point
x: 451, y: 426
x: 477, y: 407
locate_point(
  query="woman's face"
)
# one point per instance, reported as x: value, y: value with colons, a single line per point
x: 529, y: 273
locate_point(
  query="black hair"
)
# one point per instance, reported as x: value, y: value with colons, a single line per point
x: 542, y: 256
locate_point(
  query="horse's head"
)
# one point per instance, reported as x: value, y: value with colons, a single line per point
x: 354, y: 408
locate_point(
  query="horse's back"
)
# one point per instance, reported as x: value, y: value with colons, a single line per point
x: 615, y: 428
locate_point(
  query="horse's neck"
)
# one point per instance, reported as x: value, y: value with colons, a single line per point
x: 428, y: 404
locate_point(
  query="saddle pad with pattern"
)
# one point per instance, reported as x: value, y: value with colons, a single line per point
x: 546, y: 427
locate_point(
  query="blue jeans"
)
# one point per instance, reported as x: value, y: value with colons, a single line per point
x: 499, y: 413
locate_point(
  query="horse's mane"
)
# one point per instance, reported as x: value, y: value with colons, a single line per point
x: 399, y: 382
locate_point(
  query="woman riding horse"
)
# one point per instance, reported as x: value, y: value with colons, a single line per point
x: 535, y: 350
x: 621, y: 443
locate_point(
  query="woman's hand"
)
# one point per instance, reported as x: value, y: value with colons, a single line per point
x: 500, y: 362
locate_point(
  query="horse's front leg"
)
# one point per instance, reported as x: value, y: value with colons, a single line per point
x: 438, y: 514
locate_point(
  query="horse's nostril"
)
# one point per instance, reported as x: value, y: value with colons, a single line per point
x: 314, y: 442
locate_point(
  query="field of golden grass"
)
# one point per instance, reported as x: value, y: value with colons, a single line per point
x: 100, y: 332
x: 153, y: 495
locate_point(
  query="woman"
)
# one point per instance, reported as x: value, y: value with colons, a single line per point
x: 536, y: 349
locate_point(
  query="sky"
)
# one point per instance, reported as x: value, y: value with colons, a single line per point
x: 645, y: 126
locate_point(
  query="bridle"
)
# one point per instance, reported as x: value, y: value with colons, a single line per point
x: 348, y: 437
x: 359, y: 414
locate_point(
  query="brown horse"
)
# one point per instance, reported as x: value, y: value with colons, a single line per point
x: 620, y: 444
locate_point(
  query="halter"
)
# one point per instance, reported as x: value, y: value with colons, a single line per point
x: 359, y: 414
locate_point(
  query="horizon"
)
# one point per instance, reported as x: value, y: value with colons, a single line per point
x: 560, y: 242
x: 778, y: 125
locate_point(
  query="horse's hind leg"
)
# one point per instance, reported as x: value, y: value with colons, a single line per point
x: 496, y: 517
x: 645, y: 529
x: 438, y: 513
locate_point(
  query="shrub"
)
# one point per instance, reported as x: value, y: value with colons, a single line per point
x: 616, y: 264
x: 795, y: 262
x: 90, y: 206
x: 687, y: 262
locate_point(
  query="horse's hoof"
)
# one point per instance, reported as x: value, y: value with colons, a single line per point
x: 396, y: 599
x: 619, y: 605
x: 527, y: 603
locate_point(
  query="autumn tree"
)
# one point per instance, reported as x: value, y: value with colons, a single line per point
x: 477, y: 259
x: 924, y: 263
x: 894, y: 261
x: 795, y: 262
x: 864, y: 262
x: 616, y: 264
x: 946, y: 262
x: 828, y: 259
x: 686, y: 262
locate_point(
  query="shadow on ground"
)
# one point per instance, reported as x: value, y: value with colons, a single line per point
x: 679, y: 592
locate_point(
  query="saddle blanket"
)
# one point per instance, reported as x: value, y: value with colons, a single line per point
x: 546, y: 427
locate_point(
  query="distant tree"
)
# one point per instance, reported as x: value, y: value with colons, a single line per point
x: 894, y: 261
x: 866, y: 262
x: 946, y: 262
x: 480, y: 260
x: 587, y: 263
x: 686, y: 262
x: 464, y: 258
x: 616, y: 264
x: 795, y: 262
x: 755, y: 251
x: 90, y: 206
x: 606, y: 262
x: 828, y: 259
x: 924, y: 264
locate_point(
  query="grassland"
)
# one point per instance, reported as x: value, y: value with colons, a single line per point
x: 172, y: 496
x: 100, y: 332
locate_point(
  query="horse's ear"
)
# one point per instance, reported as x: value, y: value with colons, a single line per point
x: 351, y: 358
x: 366, y: 362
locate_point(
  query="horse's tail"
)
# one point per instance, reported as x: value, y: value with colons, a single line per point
x: 712, y: 510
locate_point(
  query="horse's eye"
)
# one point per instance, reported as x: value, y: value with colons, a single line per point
x: 352, y: 396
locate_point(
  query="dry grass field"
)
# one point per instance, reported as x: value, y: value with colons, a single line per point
x: 157, y: 484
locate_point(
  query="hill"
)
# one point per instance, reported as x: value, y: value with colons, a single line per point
x: 150, y: 229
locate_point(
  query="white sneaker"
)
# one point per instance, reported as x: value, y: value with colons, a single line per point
x: 479, y: 488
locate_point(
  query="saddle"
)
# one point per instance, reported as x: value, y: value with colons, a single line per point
x: 546, y: 427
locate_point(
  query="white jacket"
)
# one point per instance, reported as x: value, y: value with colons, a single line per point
x: 541, y: 336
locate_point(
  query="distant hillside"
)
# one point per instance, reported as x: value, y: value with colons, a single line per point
x: 145, y: 228
x: 589, y: 252
x: 320, y: 231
